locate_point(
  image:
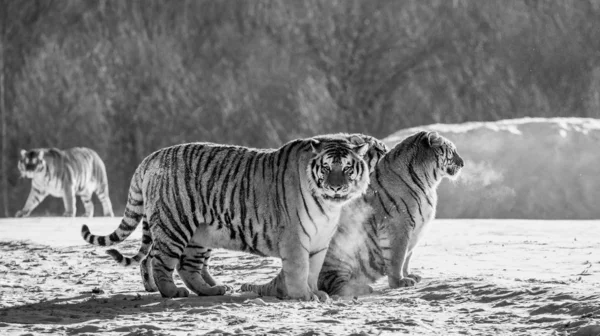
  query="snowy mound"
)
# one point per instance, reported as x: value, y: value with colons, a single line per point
x: 522, y: 168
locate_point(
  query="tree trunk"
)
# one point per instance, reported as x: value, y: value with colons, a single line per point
x: 3, y: 112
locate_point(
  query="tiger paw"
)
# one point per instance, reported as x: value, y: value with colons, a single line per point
x: 399, y: 283
x: 150, y: 289
x: 68, y: 214
x: 175, y: 292
x: 211, y: 291
x: 321, y: 297
x: 318, y: 296
x: 228, y: 288
x: 415, y: 277
x: 21, y: 213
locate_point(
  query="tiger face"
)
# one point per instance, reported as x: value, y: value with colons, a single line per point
x: 31, y: 163
x: 338, y: 172
x: 448, y: 161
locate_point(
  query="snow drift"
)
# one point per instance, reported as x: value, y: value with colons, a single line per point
x: 522, y: 168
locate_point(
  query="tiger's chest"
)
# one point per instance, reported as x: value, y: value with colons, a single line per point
x: 51, y: 186
x: 321, y: 228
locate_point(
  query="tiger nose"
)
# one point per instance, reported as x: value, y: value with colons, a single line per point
x: 336, y: 180
x: 336, y: 188
x: 460, y: 162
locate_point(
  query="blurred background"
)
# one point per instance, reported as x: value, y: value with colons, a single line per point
x: 126, y: 78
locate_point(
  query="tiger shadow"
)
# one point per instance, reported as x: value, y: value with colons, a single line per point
x: 87, y: 307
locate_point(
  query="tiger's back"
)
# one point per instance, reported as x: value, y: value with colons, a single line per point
x: 66, y: 173
x: 236, y: 197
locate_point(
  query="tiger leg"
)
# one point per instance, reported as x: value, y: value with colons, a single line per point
x: 148, y: 275
x: 399, y: 253
x: 315, y: 263
x: 206, y: 273
x: 88, y: 205
x: 292, y: 280
x: 405, y: 269
x: 275, y: 287
x: 295, y: 267
x: 143, y: 257
x: 36, y: 196
x: 69, y: 201
x: 107, y: 209
x: 193, y: 270
x: 164, y: 256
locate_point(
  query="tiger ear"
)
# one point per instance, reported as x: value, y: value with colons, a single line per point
x: 380, y: 148
x: 434, y: 139
x: 23, y: 153
x: 41, y: 154
x: 376, y: 147
x: 362, y: 149
x: 315, y: 145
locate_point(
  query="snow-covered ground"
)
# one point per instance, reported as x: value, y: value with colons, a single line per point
x: 481, y: 277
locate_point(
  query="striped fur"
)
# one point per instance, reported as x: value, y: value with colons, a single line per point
x: 195, y: 197
x: 379, y: 231
x: 65, y: 173
x: 377, y: 149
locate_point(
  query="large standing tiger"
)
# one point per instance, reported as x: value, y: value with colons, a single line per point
x: 65, y: 173
x: 275, y: 202
x: 379, y: 231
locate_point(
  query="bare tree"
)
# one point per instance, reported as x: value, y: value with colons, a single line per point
x: 3, y: 111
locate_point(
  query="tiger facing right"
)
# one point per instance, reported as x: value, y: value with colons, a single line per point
x: 283, y: 203
x: 378, y: 232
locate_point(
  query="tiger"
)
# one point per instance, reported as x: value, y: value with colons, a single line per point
x: 373, y: 155
x: 282, y: 202
x: 379, y: 231
x: 65, y: 173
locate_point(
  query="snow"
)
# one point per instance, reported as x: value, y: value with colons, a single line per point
x: 487, y: 277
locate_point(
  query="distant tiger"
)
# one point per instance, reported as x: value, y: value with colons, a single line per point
x: 65, y: 173
x: 273, y: 202
x: 379, y: 231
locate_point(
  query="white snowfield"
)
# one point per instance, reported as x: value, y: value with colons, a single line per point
x: 530, y: 168
x: 481, y: 277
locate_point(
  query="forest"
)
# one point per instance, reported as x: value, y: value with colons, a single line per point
x: 126, y: 78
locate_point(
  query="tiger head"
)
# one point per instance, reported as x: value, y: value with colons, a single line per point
x: 338, y: 172
x: 433, y: 152
x: 31, y: 163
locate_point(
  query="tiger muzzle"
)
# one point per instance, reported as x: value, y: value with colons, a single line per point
x: 336, y: 180
x: 458, y: 164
